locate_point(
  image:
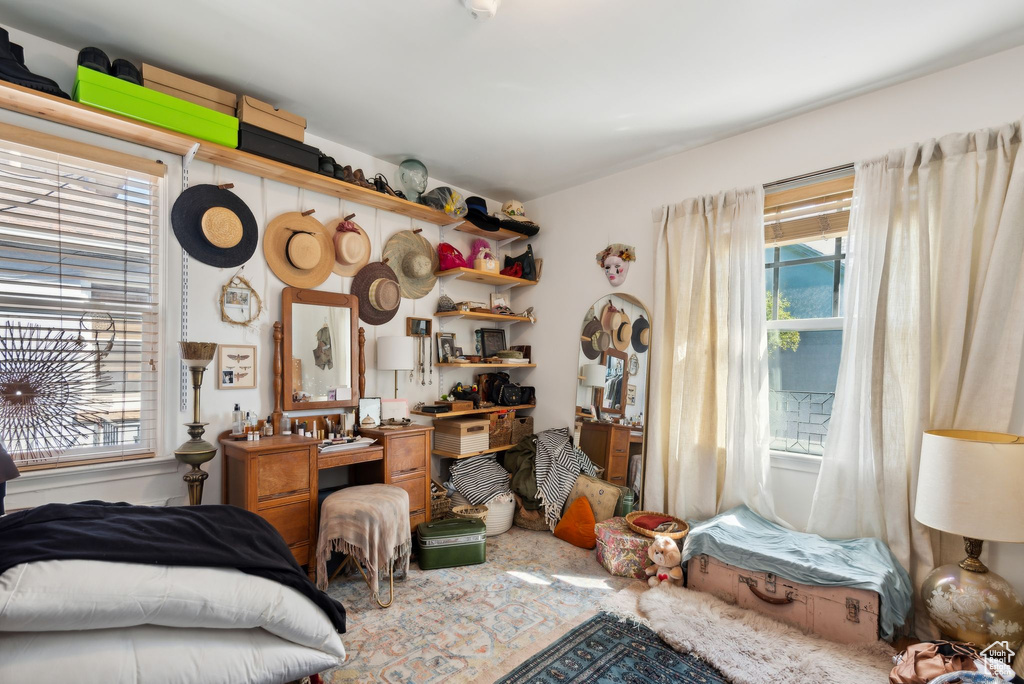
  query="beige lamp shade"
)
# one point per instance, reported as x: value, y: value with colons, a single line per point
x: 396, y: 353
x: 593, y: 375
x: 971, y: 484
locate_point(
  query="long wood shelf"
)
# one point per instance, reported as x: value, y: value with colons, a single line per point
x: 25, y: 101
x: 479, y: 316
x: 486, y: 365
x: 476, y: 276
x: 474, y: 412
x: 449, y: 454
x: 503, y: 234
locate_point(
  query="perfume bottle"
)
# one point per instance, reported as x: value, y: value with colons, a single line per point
x: 237, y: 420
x: 286, y: 425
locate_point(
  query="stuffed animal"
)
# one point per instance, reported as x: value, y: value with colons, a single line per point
x: 666, y: 559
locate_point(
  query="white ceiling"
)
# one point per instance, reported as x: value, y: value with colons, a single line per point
x: 550, y: 93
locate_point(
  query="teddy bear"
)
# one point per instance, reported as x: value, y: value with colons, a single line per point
x: 666, y: 559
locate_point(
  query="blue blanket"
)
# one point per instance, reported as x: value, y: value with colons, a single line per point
x: 742, y: 538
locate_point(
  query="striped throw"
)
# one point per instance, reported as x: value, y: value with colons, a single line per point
x: 559, y: 463
x: 480, y: 479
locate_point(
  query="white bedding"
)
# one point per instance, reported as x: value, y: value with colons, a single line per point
x: 92, y: 621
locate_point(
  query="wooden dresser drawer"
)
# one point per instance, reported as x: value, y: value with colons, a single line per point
x: 290, y: 520
x: 281, y: 473
x: 407, y: 455
x: 417, y: 489
x: 415, y: 518
x: 620, y: 442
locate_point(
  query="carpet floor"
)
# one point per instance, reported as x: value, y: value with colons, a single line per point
x: 475, y: 623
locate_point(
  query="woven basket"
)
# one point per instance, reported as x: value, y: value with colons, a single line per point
x: 521, y: 429
x: 499, y: 518
x: 501, y: 429
x: 682, y: 527
x: 472, y: 512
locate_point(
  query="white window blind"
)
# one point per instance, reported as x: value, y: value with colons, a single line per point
x: 808, y: 208
x: 79, y: 259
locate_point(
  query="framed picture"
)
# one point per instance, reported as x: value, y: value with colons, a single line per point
x: 458, y: 353
x: 369, y: 412
x: 240, y: 304
x: 417, y: 327
x: 236, y: 366
x: 498, y: 300
x: 445, y: 347
x: 492, y: 341
x: 631, y: 395
x: 395, y: 410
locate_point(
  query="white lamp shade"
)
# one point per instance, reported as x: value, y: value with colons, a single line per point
x: 594, y: 374
x: 972, y: 484
x: 396, y: 353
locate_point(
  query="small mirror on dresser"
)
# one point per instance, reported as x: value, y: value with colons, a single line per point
x: 319, y: 349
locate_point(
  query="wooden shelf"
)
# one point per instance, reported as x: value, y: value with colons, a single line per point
x: 486, y: 365
x: 474, y: 412
x: 448, y: 454
x: 502, y: 234
x: 484, y: 277
x: 25, y: 101
x: 477, y: 316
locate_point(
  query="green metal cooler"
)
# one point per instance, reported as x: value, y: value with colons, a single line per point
x: 451, y: 543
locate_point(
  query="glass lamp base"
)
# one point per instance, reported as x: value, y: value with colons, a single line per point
x: 979, y: 607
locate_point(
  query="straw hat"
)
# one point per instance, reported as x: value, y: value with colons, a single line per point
x: 596, y: 339
x: 623, y: 333
x: 414, y: 261
x: 351, y: 247
x: 612, y: 318
x: 299, y: 250
x: 641, y: 335
x: 214, y: 226
x: 376, y: 286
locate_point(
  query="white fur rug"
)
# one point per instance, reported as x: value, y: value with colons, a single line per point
x: 744, y: 645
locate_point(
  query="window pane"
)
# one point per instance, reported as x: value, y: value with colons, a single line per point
x: 802, y: 372
x: 808, y: 289
x: 807, y: 250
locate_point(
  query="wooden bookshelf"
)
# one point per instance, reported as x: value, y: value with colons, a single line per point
x: 449, y: 454
x: 474, y: 412
x: 486, y: 365
x: 479, y: 316
x: 502, y: 234
x: 485, y: 277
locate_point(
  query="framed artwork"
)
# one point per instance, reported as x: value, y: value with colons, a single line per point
x: 498, y: 300
x: 240, y: 304
x: 236, y: 366
x: 369, y: 412
x: 445, y: 347
x: 492, y: 341
x: 395, y: 410
x: 458, y: 353
x: 417, y: 327
x: 631, y: 395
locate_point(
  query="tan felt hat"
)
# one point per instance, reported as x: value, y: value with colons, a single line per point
x: 414, y: 261
x: 351, y: 246
x: 299, y: 250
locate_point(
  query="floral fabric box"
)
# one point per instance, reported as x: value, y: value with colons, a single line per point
x: 620, y: 550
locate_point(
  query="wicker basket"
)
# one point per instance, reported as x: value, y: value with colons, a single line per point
x: 521, y: 429
x: 472, y: 512
x: 440, y: 502
x: 501, y: 429
x: 681, y: 530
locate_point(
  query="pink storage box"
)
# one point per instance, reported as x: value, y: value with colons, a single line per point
x: 620, y: 550
x: 842, y: 614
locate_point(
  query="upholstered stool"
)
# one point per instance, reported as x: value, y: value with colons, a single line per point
x: 370, y: 524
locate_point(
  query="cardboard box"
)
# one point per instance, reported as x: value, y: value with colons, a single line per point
x: 268, y: 117
x: 172, y: 84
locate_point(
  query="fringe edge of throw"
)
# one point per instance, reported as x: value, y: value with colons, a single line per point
x: 399, y: 556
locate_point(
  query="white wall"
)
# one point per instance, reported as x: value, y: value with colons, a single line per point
x: 578, y: 222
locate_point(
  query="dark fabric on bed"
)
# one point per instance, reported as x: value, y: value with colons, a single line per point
x: 199, y: 536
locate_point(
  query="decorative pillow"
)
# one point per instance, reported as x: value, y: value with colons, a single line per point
x: 603, y: 496
x: 577, y: 525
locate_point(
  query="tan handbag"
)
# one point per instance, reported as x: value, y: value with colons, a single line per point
x: 921, y: 663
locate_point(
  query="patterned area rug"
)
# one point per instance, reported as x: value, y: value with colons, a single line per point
x: 604, y: 649
x: 475, y: 623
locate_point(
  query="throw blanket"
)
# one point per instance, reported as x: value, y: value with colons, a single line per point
x: 197, y: 536
x: 479, y: 479
x: 369, y: 523
x: 742, y: 538
x: 558, y: 465
x: 521, y: 462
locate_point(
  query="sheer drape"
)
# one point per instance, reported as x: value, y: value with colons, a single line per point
x: 708, y: 438
x: 934, y: 329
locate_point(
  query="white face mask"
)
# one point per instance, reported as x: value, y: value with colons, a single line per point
x: 616, y: 269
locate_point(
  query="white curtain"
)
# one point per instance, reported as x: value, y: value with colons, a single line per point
x: 708, y: 435
x: 934, y: 327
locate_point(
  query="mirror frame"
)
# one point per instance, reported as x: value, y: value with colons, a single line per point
x: 294, y: 295
x: 615, y: 354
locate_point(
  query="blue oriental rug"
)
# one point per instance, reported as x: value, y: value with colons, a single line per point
x: 604, y: 650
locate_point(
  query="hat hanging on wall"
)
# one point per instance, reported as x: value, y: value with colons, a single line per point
x: 376, y: 287
x: 594, y: 339
x: 414, y: 261
x: 299, y: 250
x: 641, y: 335
x: 623, y: 333
x: 351, y: 246
x: 612, y: 318
x: 214, y: 226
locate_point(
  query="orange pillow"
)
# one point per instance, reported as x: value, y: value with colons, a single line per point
x: 577, y: 525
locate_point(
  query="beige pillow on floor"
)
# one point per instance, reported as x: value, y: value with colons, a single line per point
x: 603, y: 496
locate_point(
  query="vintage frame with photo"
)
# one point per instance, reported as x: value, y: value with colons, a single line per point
x: 236, y: 366
x: 418, y: 327
x: 445, y: 347
x: 369, y: 407
x: 498, y: 299
x: 492, y: 341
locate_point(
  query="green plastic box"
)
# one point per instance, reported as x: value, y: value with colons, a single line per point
x: 136, y: 102
x: 451, y: 543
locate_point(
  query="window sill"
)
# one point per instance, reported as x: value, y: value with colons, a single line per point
x: 803, y: 463
x: 98, y: 473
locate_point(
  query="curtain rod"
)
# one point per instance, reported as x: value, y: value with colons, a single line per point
x: 814, y: 175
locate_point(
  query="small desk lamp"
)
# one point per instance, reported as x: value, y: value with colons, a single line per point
x: 396, y: 353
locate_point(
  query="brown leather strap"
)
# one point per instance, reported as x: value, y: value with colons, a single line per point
x: 774, y: 600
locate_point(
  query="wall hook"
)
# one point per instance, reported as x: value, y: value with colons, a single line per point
x: 226, y: 186
x: 308, y: 212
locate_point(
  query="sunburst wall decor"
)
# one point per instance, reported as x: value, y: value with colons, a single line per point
x: 49, y: 387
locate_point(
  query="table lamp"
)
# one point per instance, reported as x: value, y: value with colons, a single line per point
x: 972, y: 484
x: 396, y: 353
x: 196, y: 451
x: 593, y: 376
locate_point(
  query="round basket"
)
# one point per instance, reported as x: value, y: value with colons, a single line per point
x: 472, y: 512
x: 683, y: 526
x: 499, y: 517
x: 459, y: 500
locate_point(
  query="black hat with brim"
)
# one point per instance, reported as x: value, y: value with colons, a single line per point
x: 478, y: 216
x: 639, y: 326
x: 527, y: 228
x: 187, y: 222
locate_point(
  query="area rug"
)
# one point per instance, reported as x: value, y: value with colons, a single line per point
x: 474, y: 623
x: 747, y: 647
x: 605, y: 649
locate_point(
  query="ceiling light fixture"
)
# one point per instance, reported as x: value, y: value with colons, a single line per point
x: 482, y: 9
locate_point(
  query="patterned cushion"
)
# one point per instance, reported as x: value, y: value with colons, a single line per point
x: 603, y: 496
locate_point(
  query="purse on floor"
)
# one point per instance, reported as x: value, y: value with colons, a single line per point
x: 923, y: 662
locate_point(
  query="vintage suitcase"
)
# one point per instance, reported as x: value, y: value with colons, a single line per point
x: 842, y: 614
x: 450, y: 543
x: 620, y: 550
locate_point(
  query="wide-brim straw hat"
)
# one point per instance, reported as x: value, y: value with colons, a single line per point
x: 376, y: 287
x: 641, y: 335
x: 622, y: 335
x: 414, y: 261
x: 214, y: 226
x: 351, y: 248
x: 594, y: 339
x: 612, y: 318
x: 299, y: 250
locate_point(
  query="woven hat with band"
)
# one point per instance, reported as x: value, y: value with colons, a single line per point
x: 612, y: 318
x: 623, y: 333
x: 351, y: 246
x: 414, y: 261
x: 214, y: 226
x: 376, y: 287
x: 299, y: 250
x: 641, y: 335
x: 593, y: 339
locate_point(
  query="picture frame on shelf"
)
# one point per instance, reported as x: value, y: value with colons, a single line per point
x: 394, y: 410
x: 445, y: 347
x: 498, y: 300
x: 458, y: 353
x: 492, y: 341
x: 369, y: 412
x: 236, y: 366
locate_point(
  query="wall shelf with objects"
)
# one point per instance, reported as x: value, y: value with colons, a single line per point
x: 474, y: 412
x: 492, y: 450
x: 58, y: 110
x: 485, y: 277
x: 486, y: 365
x: 502, y: 235
x: 481, y: 316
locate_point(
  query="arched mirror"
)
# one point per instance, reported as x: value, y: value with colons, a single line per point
x: 611, y: 391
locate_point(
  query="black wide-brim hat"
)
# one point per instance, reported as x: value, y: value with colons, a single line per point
x: 588, y: 339
x: 527, y: 228
x: 214, y: 226
x: 478, y: 216
x: 641, y: 330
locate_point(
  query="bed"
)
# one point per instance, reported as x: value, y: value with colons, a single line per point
x: 113, y: 593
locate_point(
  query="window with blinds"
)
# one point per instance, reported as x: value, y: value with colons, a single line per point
x: 78, y: 308
x: 808, y: 208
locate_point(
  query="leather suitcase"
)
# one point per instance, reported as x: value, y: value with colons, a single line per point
x: 450, y: 543
x: 843, y: 614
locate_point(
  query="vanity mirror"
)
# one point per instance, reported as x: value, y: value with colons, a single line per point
x: 319, y: 349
